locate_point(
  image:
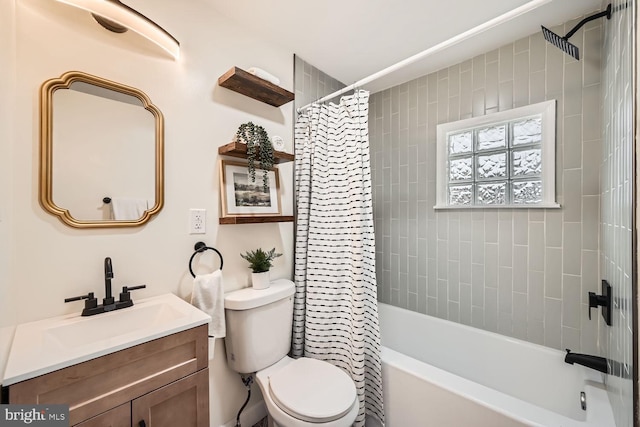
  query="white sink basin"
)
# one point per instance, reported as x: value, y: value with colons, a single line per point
x: 47, y: 345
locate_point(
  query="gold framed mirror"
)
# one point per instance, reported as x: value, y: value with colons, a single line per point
x: 101, y: 152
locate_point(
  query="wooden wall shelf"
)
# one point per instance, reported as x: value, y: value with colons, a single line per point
x: 254, y: 87
x: 255, y: 219
x: 238, y: 149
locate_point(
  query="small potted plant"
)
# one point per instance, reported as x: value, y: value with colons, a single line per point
x: 259, y: 147
x: 260, y: 262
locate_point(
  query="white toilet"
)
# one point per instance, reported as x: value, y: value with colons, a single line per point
x: 300, y: 392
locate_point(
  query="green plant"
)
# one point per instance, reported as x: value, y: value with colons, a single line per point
x: 258, y: 147
x: 259, y: 260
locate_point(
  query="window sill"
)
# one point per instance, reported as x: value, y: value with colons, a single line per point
x: 538, y: 206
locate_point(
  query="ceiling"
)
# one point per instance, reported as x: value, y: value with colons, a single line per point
x: 352, y: 39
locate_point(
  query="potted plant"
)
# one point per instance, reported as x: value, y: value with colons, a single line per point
x: 260, y: 262
x: 259, y: 147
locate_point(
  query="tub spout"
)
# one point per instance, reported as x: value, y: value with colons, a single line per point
x: 593, y: 362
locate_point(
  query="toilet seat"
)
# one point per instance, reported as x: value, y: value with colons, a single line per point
x: 312, y: 390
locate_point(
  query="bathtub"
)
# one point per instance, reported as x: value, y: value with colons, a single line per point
x: 440, y: 373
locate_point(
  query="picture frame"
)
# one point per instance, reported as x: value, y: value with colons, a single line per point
x: 242, y: 198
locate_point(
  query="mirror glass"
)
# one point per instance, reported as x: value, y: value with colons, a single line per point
x: 101, y: 162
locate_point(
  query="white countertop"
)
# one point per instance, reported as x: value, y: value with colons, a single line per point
x: 47, y: 345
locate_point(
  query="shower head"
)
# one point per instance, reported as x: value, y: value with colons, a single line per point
x: 563, y: 43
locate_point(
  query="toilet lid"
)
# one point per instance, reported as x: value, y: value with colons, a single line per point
x: 312, y: 390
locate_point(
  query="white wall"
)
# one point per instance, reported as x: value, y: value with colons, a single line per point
x: 51, y: 261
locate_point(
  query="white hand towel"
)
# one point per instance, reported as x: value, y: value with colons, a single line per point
x: 259, y: 72
x: 208, y: 296
x: 128, y: 209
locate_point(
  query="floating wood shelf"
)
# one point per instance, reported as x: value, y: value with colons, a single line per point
x: 254, y: 87
x: 255, y: 219
x: 238, y: 149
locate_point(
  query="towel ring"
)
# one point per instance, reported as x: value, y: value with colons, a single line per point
x: 199, y: 248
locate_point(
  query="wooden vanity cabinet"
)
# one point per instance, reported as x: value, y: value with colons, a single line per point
x: 164, y: 382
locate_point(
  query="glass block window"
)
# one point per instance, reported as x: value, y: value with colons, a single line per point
x: 505, y: 159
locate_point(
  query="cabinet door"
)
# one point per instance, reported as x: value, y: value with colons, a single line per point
x: 183, y: 403
x: 119, y: 416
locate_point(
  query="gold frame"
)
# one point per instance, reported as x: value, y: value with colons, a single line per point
x: 46, y: 149
x: 223, y: 190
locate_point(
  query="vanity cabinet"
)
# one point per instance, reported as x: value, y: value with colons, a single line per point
x: 164, y: 382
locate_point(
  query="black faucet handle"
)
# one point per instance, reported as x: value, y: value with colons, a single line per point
x: 125, y: 295
x: 79, y: 298
x: 91, y: 300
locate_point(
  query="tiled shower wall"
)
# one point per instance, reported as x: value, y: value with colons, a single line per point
x: 519, y: 272
x: 310, y: 83
x: 617, y: 186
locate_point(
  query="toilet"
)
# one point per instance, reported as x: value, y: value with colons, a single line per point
x: 302, y: 392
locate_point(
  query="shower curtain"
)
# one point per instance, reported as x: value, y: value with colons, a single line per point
x: 335, y: 304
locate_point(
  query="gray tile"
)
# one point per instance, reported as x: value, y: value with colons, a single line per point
x: 536, y: 246
x: 553, y: 273
x: 572, y: 244
x: 535, y: 308
x: 520, y: 227
x: 443, y: 300
x: 590, y: 276
x: 465, y: 303
x: 505, y: 242
x: 537, y: 87
x: 478, y: 72
x: 592, y: 156
x: 491, y: 309
x: 520, y: 315
x: 477, y: 283
x: 491, y: 226
x: 492, y: 85
x: 535, y: 332
x: 538, y: 52
x: 477, y: 244
x: 592, y: 56
x: 505, y: 324
x: 422, y: 294
x: 590, y: 222
x: 506, y: 63
x: 477, y: 317
x: 572, y: 142
x: 570, y: 339
x: 552, y: 323
x: 573, y: 86
x: 505, y: 101
x: 555, y: 71
x: 492, y: 56
x: 491, y: 265
x: 478, y: 103
x: 520, y: 268
x: 571, y: 306
x: 465, y: 262
x: 432, y: 306
x: 553, y: 228
x: 521, y: 45
x: 505, y: 290
x: 454, y: 281
x: 572, y: 195
x: 592, y: 112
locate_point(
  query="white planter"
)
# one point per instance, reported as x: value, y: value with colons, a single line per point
x: 260, y: 280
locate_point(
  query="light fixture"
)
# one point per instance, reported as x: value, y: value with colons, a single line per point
x: 118, y: 17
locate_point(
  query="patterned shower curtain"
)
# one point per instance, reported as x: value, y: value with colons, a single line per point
x: 335, y: 308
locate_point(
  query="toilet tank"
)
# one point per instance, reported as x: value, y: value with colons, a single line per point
x: 259, y: 325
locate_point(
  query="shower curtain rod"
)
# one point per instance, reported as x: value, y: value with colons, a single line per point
x: 507, y: 16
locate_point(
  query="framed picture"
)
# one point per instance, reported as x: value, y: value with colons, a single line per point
x: 241, y: 197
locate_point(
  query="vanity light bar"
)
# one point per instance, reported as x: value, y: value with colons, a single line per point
x: 131, y: 19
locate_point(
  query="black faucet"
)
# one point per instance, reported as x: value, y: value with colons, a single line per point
x: 593, y: 362
x: 108, y: 275
x: 109, y: 303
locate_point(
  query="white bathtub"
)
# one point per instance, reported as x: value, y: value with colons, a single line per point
x: 440, y: 373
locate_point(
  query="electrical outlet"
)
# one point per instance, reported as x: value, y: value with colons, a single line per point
x: 197, y: 221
